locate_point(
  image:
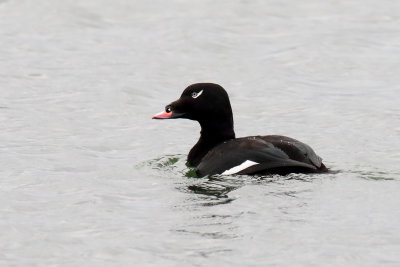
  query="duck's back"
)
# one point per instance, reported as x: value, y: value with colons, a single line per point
x: 260, y: 154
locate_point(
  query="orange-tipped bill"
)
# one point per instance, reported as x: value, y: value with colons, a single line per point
x: 162, y: 115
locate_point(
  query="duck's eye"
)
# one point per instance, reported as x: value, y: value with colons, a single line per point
x: 196, y: 95
x: 168, y: 109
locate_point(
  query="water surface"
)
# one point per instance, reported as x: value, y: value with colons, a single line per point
x: 88, y: 179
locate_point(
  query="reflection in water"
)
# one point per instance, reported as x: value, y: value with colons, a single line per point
x: 215, y: 189
x: 216, y: 186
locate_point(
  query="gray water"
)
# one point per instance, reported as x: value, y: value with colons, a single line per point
x: 88, y: 179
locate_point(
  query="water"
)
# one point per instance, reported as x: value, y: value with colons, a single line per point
x: 88, y: 179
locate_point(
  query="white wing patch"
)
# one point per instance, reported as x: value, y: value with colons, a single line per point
x: 240, y: 167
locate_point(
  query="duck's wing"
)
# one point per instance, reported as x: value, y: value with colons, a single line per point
x: 295, y: 149
x: 249, y: 155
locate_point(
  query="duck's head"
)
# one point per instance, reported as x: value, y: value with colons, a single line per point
x: 203, y: 102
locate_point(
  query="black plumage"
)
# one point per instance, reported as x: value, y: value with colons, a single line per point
x: 218, y: 151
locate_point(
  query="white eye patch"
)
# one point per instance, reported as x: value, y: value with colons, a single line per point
x: 196, y: 95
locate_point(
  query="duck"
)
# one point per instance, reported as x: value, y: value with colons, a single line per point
x: 218, y: 151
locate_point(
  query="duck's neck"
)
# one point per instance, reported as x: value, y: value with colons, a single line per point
x: 212, y: 134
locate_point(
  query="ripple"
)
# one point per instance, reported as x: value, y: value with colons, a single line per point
x: 377, y: 175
